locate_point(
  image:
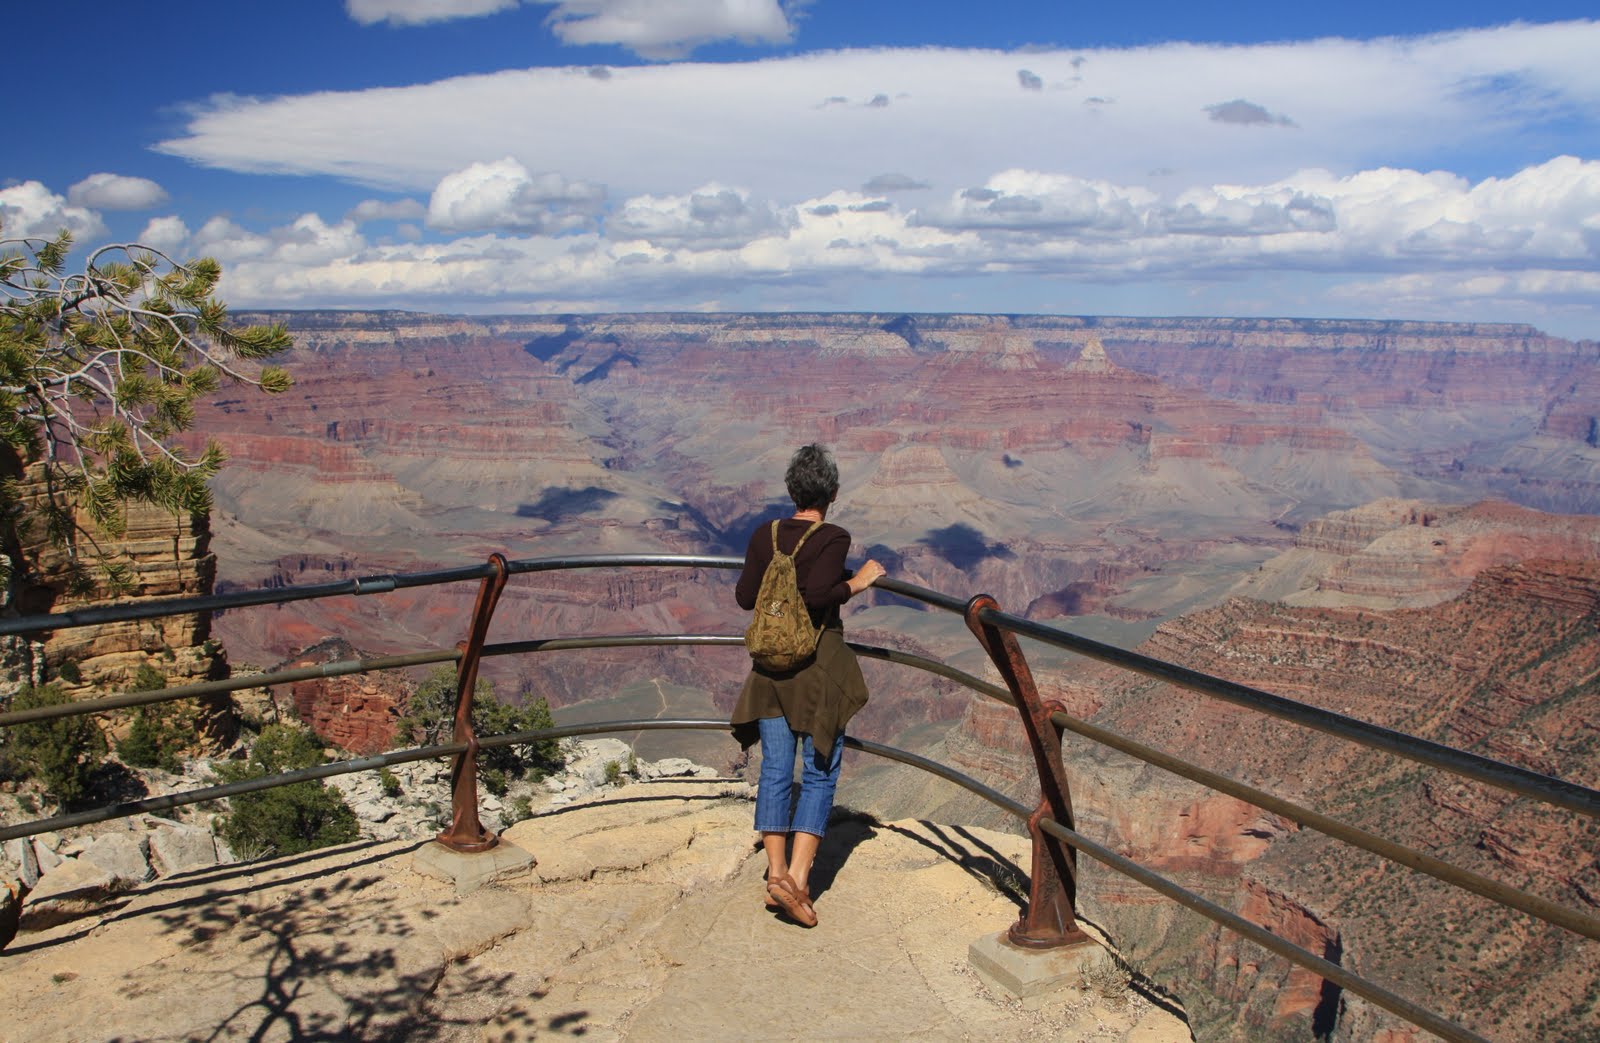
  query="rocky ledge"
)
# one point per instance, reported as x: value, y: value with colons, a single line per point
x: 642, y: 919
x: 52, y: 877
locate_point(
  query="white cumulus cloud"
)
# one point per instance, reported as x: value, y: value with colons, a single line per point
x: 1531, y: 237
x: 167, y: 234
x: 31, y: 209
x: 712, y: 215
x: 228, y: 242
x: 1026, y: 200
x: 421, y: 12
x: 310, y: 240
x: 655, y: 29
x: 116, y: 192
x: 504, y: 195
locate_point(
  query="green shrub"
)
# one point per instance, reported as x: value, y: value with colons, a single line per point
x: 613, y: 773
x: 430, y: 719
x: 494, y: 780
x: 158, y: 738
x: 519, y: 809
x: 390, y: 783
x: 141, y: 749
x: 70, y: 672
x: 62, y: 753
x: 288, y: 819
x: 148, y: 679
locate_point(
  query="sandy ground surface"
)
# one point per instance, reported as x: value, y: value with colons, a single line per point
x: 642, y: 919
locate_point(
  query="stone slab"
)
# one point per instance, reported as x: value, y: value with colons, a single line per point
x: 125, y: 855
x: 1033, y: 975
x: 179, y: 848
x: 470, y: 871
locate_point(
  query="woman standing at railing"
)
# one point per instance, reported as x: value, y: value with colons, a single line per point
x: 807, y: 707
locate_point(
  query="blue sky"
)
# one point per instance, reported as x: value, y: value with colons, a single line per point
x: 1420, y: 160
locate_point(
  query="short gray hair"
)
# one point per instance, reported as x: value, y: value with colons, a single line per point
x: 812, y: 478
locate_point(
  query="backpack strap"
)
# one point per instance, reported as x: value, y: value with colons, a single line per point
x: 775, y: 551
x: 814, y: 527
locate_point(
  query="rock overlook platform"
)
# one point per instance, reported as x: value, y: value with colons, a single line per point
x: 642, y: 919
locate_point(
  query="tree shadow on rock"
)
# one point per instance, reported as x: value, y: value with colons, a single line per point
x: 213, y: 878
x: 520, y: 1023
x: 309, y: 977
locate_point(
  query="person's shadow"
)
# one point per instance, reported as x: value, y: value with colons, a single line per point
x: 847, y: 830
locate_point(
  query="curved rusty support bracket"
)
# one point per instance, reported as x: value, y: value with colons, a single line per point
x: 1049, y: 920
x: 466, y: 833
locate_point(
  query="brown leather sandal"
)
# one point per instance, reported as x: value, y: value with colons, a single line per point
x: 794, y: 899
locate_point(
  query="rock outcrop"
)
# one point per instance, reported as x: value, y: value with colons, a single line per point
x: 359, y: 713
x: 164, y: 556
x: 1410, y: 554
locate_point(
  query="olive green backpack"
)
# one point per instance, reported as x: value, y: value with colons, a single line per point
x: 780, y: 636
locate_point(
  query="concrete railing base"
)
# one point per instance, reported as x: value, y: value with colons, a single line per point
x: 470, y: 871
x: 1035, y: 976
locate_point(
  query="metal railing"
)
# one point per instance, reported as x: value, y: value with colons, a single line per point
x: 1050, y: 917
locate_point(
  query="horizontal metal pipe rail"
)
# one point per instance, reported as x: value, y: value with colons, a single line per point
x: 1506, y: 776
x: 1518, y: 780
x: 1331, y: 971
x: 1541, y: 908
x: 127, y: 700
x: 1527, y: 783
x: 96, y: 615
x: 1484, y: 886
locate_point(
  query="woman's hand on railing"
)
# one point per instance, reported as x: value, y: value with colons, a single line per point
x: 865, y: 576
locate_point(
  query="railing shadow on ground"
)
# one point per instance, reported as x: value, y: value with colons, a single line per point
x: 1048, y: 914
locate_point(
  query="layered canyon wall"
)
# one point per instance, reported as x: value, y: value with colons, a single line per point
x: 1124, y: 477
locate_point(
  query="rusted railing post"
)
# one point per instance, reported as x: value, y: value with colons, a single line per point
x: 1049, y: 920
x: 466, y: 833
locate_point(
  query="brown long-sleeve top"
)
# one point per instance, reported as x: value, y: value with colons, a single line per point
x: 821, y: 697
x: 819, y: 567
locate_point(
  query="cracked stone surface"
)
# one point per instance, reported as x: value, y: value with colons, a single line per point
x: 643, y: 919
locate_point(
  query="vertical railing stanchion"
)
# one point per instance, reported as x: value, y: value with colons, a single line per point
x: 466, y: 833
x: 1050, y: 920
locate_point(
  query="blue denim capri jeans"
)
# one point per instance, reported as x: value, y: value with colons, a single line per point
x: 819, y: 776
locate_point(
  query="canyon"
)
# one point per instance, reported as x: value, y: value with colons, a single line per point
x: 1397, y: 520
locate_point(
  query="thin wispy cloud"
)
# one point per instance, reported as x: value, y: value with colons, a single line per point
x: 759, y: 125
